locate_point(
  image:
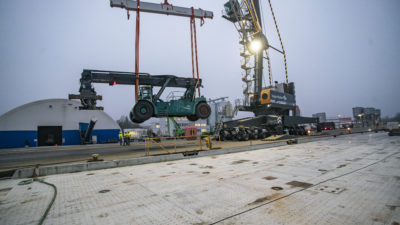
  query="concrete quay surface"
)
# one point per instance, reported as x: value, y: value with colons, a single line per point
x: 22, y: 158
x: 350, y: 179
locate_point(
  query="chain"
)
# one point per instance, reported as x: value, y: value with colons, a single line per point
x: 280, y: 39
x: 269, y: 68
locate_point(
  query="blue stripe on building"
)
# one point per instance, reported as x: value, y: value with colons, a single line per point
x: 17, y: 139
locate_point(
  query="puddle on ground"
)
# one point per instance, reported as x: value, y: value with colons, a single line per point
x: 266, y: 198
x: 4, y: 192
x: 206, y: 167
x: 276, y: 188
x: 199, y: 211
x: 391, y: 207
x: 269, y: 178
x: 299, y: 184
x: 239, y: 161
x: 201, y: 223
x: 128, y: 181
x: 103, y: 215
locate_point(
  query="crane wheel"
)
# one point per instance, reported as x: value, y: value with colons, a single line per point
x: 143, y: 110
x: 203, y: 110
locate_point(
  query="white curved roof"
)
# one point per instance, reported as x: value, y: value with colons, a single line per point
x: 53, y: 112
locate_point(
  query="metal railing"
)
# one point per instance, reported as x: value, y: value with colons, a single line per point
x: 171, y: 144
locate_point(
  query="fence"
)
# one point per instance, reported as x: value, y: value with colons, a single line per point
x: 183, y: 143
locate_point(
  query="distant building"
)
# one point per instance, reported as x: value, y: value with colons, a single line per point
x: 54, y: 122
x: 367, y: 116
x: 321, y: 116
x: 358, y: 113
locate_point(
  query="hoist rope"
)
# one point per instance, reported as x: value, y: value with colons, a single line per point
x: 254, y: 19
x: 269, y: 68
x: 280, y: 39
x: 137, y: 50
x: 193, y: 37
x: 266, y: 50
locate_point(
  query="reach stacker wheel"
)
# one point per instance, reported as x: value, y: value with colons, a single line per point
x: 203, y: 110
x: 143, y: 110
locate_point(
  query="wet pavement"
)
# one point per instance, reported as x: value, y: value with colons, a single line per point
x: 352, y: 179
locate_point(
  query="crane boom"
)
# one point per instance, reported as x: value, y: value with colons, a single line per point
x: 165, y: 9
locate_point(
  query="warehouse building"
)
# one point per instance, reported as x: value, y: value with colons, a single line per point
x: 55, y: 122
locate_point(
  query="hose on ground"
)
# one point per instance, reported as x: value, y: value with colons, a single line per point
x: 30, y: 181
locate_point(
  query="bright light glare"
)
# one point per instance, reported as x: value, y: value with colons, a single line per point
x: 255, y: 46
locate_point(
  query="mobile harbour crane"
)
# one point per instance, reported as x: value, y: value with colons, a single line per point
x: 274, y: 106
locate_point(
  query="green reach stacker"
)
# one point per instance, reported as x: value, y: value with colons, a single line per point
x: 149, y: 104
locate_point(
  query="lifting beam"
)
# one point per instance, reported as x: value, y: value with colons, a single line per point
x: 161, y: 8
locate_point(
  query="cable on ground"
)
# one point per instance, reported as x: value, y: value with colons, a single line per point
x: 30, y: 181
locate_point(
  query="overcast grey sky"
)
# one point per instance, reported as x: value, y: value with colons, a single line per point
x: 340, y: 53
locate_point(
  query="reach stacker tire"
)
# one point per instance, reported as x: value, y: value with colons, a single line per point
x: 143, y: 110
x: 203, y: 110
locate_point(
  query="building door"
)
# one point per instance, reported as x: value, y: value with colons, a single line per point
x: 49, y: 135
